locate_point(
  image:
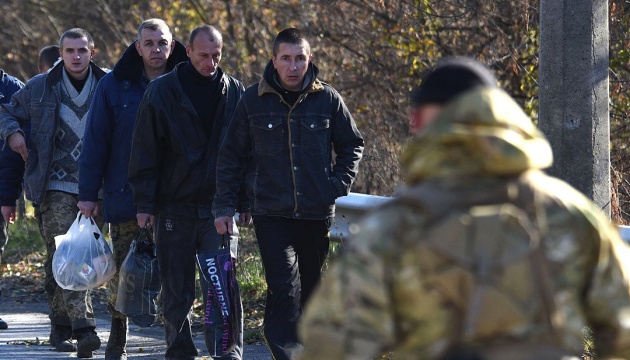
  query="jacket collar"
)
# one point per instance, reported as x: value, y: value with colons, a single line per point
x: 270, y: 75
x: 55, y: 74
x: 130, y: 66
x: 223, y: 77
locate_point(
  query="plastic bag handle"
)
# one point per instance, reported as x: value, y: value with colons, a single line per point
x: 225, y: 240
x: 95, y: 230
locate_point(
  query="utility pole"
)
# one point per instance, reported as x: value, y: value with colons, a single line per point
x: 573, y: 93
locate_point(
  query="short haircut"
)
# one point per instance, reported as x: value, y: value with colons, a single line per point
x: 450, y: 78
x: 212, y: 32
x: 290, y: 36
x: 153, y: 24
x: 77, y: 33
x: 48, y: 55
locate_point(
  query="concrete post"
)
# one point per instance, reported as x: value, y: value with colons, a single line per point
x: 573, y: 93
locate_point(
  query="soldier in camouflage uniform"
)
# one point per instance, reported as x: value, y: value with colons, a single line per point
x: 54, y: 106
x: 481, y: 254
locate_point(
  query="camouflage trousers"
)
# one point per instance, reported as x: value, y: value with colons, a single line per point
x: 122, y: 234
x: 55, y: 214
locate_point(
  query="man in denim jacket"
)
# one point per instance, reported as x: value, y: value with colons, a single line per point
x: 54, y: 106
x: 283, y: 136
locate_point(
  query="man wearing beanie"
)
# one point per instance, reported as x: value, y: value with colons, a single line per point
x: 450, y: 78
x: 482, y: 256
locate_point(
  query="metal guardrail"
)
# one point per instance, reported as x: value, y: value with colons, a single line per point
x: 624, y: 231
x: 350, y: 208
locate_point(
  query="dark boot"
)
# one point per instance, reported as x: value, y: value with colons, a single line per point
x: 87, y: 341
x: 117, y: 343
x: 61, y: 338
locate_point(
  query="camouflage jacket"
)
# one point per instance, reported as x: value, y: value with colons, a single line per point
x: 396, y: 288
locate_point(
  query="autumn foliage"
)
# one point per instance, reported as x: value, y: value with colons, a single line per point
x: 373, y: 52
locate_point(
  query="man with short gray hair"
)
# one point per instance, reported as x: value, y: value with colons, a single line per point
x: 107, y: 146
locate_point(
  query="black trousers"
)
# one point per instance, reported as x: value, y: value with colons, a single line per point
x: 179, y: 239
x: 293, y: 253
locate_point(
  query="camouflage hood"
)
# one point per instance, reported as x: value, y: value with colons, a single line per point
x: 484, y: 132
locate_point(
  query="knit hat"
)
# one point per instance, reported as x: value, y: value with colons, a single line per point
x: 450, y: 78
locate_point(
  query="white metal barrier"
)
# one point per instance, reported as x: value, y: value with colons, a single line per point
x: 350, y: 208
x: 624, y: 231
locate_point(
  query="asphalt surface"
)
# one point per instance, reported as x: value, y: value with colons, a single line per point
x: 29, y: 327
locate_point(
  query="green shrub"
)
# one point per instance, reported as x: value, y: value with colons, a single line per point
x: 24, y: 239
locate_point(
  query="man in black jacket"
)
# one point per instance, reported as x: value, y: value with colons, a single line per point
x: 180, y: 124
x: 283, y: 135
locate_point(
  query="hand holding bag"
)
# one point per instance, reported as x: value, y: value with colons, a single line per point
x: 139, y: 283
x: 224, y: 311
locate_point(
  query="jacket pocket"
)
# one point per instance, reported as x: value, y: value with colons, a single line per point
x: 43, y: 119
x: 315, y: 135
x: 268, y: 135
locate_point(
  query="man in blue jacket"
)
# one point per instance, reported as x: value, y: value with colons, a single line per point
x: 107, y: 144
x: 54, y: 106
x: 10, y: 171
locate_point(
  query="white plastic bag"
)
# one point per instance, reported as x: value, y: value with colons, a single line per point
x: 83, y: 259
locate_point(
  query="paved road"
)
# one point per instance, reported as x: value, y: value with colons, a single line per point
x: 29, y: 326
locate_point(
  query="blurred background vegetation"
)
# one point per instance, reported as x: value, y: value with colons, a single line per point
x: 372, y: 51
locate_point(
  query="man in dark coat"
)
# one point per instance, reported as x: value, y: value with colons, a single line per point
x: 296, y: 140
x: 181, y: 123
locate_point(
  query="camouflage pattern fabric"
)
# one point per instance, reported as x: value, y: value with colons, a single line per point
x: 397, y: 288
x: 56, y: 213
x: 122, y: 234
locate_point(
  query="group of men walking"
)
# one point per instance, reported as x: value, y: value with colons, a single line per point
x: 481, y: 256
x: 142, y: 146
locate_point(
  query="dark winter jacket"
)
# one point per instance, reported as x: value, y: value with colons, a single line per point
x: 11, y: 163
x: 173, y: 163
x: 106, y: 149
x: 37, y: 105
x: 287, y: 152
